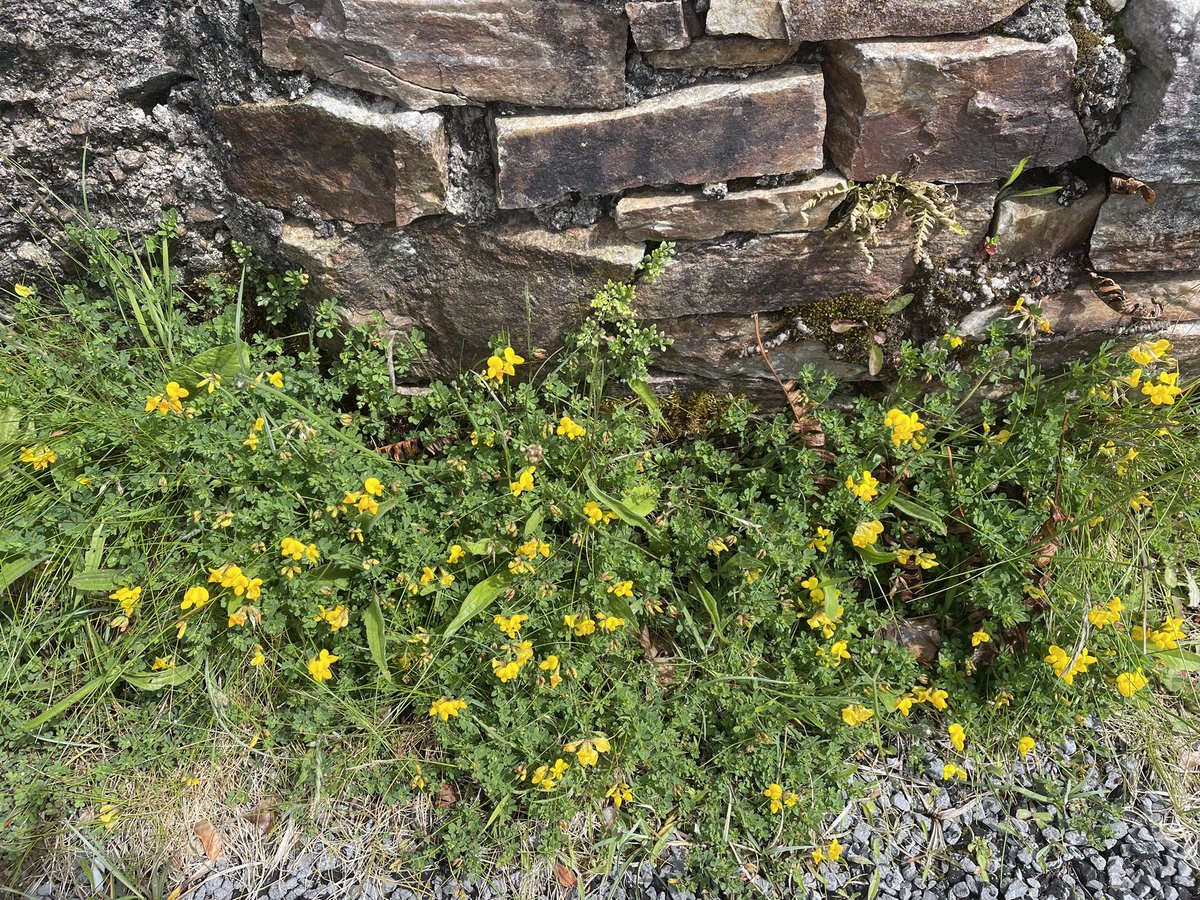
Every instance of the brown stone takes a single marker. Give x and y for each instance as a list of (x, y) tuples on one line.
[(1041, 227), (343, 159), (463, 284), (827, 20), (668, 217), (723, 53), (967, 109), (427, 53), (757, 18), (1133, 235), (770, 124), (662, 24)]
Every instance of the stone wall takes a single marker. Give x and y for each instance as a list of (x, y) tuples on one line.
[(468, 166)]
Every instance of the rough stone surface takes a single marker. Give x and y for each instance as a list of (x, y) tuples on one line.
[(967, 108), (1133, 235), (345, 160), (427, 53), (757, 18), (460, 284), (723, 53), (1042, 227), (1159, 135), (764, 125), (668, 217), (662, 24), (824, 20)]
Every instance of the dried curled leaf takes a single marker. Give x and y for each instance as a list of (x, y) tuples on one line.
[(210, 839)]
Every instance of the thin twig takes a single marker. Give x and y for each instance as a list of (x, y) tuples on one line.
[(786, 393)]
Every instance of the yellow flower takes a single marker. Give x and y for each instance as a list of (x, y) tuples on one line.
[(823, 622), (839, 651), (456, 553), (523, 483), (1110, 615), (717, 546), (510, 625), (835, 851), (905, 704), (374, 487), (622, 589), (1146, 353), (546, 777), (1129, 683), (258, 659), (866, 533), (867, 489), (320, 667), (581, 627), (162, 662), (1025, 745), (127, 597), (937, 699), (905, 427), (1168, 635), (251, 442), (1164, 391), (238, 618), (953, 340), (958, 737), (609, 623), (774, 793), (821, 541), (428, 576), (445, 708), (980, 637), (588, 751), (275, 379), (38, 457), (569, 430), (619, 793), (500, 365), (950, 771), (1064, 667), (195, 597), (210, 380), (856, 715), (108, 816), (1139, 501), (223, 520), (596, 515), (24, 291), (1134, 378), (549, 664), (337, 618)]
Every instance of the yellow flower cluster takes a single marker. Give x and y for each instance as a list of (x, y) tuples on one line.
[(866, 533), (950, 772), (921, 558), (320, 667), (833, 852), (588, 751), (1166, 637), (609, 623), (581, 626), (838, 651), (938, 699), (905, 428), (866, 489), (296, 550), (1064, 666), (622, 589), (958, 736), (1025, 746), (550, 664), (1129, 683), (820, 541), (547, 777), (170, 401), (39, 457), (619, 793), (252, 439), (1164, 391), (532, 547), (233, 578), (523, 483), (569, 429), (856, 715), (980, 637), (510, 625), (337, 618), (445, 708), (778, 798), (1109, 615), (195, 597), (502, 364), (506, 671), (127, 597), (596, 515), (367, 500)]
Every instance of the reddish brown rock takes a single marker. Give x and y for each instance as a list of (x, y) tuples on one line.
[(668, 217), (662, 24), (771, 124), (427, 53), (828, 20), (1133, 235), (757, 18), (344, 160), (967, 110), (463, 284), (1041, 227), (723, 53)]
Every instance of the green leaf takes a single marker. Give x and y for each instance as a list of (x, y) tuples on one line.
[(896, 304), (95, 552), (647, 397), (914, 510), (10, 423), (156, 681), (627, 515), (1016, 173), (66, 703), (333, 573), (377, 637), (225, 361), (479, 599), (98, 580), (642, 499), (1035, 192), (482, 547), (709, 602), (875, 557), (534, 522), (1179, 659), (875, 360), (16, 568)]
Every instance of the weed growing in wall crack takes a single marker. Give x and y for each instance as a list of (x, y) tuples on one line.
[(520, 597)]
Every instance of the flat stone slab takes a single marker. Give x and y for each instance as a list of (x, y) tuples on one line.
[(706, 52), (766, 125), (1159, 137), (1133, 235), (345, 160), (427, 53), (662, 24), (463, 284), (966, 109), (1041, 227), (672, 216), (757, 18), (827, 20)]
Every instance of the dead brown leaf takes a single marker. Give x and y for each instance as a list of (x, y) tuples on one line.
[(209, 838), (565, 876), (446, 796), (921, 636), (262, 819)]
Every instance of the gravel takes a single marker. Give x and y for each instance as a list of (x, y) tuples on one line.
[(916, 838)]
